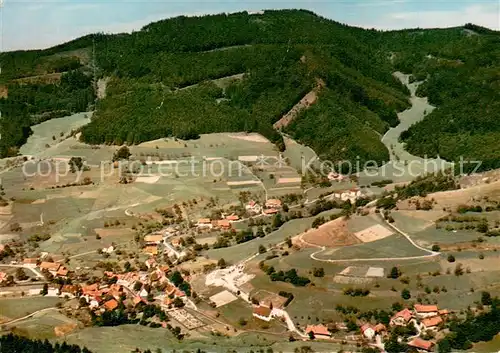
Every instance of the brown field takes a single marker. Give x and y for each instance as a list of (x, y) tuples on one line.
[(464, 196), (109, 232), (266, 298), (46, 79), (373, 233), (331, 234)]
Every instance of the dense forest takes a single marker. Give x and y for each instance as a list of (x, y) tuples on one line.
[(16, 344), (167, 80)]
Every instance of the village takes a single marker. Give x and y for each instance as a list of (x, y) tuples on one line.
[(160, 293)]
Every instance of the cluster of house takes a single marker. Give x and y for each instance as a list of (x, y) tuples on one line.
[(424, 318), (153, 242), (272, 206), (156, 277), (56, 269), (102, 297), (222, 224)]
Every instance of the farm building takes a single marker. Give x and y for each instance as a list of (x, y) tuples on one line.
[(368, 331), (253, 207), (30, 262), (153, 239), (350, 195), (273, 203), (204, 223), (319, 331), (332, 176), (421, 345), (401, 318), (232, 218), (423, 311), (432, 323)]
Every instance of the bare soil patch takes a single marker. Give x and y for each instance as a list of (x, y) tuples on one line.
[(45, 79), (223, 298), (373, 233), (331, 234), (266, 298), (308, 100), (250, 137), (451, 199), (107, 232)]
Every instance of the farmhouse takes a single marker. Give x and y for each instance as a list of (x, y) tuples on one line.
[(153, 239), (111, 305), (151, 250), (273, 203), (350, 195), (332, 176), (253, 207), (423, 311), (52, 267), (421, 345), (380, 329), (319, 331), (62, 272), (232, 218), (30, 262), (223, 224), (432, 323), (3, 277), (401, 318), (262, 312), (204, 223), (70, 291), (150, 263), (368, 331), (108, 249)]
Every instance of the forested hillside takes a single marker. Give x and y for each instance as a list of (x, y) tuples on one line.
[(464, 83), (282, 54), (162, 84)]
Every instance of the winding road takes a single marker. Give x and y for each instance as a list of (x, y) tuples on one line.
[(430, 253)]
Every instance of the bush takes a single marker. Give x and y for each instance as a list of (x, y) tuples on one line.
[(451, 258), (405, 294)]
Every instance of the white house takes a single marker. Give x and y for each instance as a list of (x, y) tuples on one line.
[(52, 292), (368, 331), (332, 176), (204, 223), (108, 249), (253, 207), (351, 195), (143, 293)]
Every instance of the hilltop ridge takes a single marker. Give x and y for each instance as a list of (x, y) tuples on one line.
[(281, 55)]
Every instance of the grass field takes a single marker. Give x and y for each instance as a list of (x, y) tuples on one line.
[(126, 338), (242, 251), (42, 133), (16, 308), (41, 326)]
